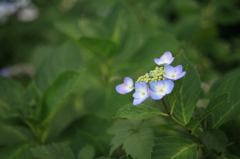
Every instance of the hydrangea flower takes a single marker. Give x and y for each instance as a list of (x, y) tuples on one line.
[(125, 87), (155, 84), (160, 89), (141, 94), (165, 59), (173, 73)]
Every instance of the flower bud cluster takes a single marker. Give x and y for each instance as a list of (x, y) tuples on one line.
[(153, 75)]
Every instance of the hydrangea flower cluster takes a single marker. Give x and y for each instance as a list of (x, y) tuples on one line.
[(155, 84)]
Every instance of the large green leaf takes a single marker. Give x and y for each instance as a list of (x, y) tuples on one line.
[(119, 139), (57, 94), (17, 151), (54, 100), (134, 136), (140, 144), (216, 102), (229, 110), (104, 47), (215, 139), (66, 57), (13, 134), (87, 152), (184, 97), (54, 151), (174, 148), (11, 96), (137, 112)]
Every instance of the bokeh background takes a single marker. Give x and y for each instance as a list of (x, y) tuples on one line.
[(107, 40)]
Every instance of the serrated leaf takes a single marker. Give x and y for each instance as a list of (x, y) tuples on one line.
[(216, 103), (215, 139), (187, 95), (174, 148), (137, 112), (121, 125), (100, 46), (54, 151), (87, 152), (58, 92), (139, 145), (118, 140), (229, 110)]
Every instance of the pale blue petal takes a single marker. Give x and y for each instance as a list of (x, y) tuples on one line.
[(180, 76), (178, 69), (141, 86), (168, 54), (158, 61), (169, 70), (168, 86), (137, 94), (155, 95), (153, 86), (167, 57), (128, 81), (137, 101), (168, 77), (123, 89), (156, 86)]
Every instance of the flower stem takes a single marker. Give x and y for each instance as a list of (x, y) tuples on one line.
[(177, 121), (165, 106), (169, 114)]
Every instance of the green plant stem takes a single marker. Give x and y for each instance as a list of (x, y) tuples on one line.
[(169, 114), (165, 106), (177, 121)]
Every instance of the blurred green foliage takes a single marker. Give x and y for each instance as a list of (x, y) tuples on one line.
[(80, 50)]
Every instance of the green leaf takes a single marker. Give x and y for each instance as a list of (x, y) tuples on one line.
[(32, 99), (229, 156), (174, 147), (215, 139), (12, 134), (54, 151), (139, 145), (87, 152), (229, 110), (82, 138), (11, 97), (66, 57), (184, 97), (57, 94), (137, 112), (17, 151), (216, 103), (41, 53), (100, 46), (119, 139), (134, 136)]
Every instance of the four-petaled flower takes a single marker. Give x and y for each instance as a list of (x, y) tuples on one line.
[(173, 73), (165, 59), (160, 89), (155, 84), (142, 93), (125, 87)]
